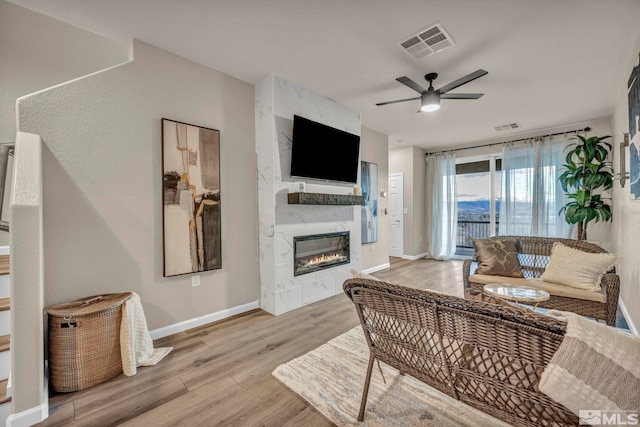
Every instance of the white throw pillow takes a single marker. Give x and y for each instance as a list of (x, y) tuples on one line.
[(576, 268)]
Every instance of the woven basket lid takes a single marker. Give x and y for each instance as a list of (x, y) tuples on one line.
[(87, 306)]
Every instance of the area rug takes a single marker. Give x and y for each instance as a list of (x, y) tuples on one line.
[(331, 378)]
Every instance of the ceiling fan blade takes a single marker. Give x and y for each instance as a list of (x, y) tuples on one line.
[(399, 100), (410, 83), (461, 95), (464, 80)]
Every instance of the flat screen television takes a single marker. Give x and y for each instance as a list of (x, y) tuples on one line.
[(321, 152)]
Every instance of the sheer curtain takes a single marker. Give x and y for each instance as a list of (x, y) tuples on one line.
[(442, 210), (531, 193)]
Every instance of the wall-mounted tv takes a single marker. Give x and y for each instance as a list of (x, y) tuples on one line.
[(321, 152)]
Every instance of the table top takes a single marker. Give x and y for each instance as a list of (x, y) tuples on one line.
[(516, 293)]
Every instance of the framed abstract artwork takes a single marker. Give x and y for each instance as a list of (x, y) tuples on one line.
[(191, 198), (633, 97), (369, 211), (6, 167), (634, 168)]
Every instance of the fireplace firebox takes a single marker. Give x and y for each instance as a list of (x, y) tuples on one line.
[(320, 251)]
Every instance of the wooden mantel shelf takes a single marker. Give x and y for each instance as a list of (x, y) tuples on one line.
[(324, 199)]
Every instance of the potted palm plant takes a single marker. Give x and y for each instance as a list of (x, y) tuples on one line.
[(587, 174)]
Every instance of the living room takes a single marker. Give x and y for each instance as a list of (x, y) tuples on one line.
[(98, 103)]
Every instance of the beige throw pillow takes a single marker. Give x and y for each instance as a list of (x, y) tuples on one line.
[(497, 257), (576, 268)]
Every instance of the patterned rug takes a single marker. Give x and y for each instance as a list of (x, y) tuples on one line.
[(331, 378)]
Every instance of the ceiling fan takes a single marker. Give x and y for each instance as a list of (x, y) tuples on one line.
[(430, 98)]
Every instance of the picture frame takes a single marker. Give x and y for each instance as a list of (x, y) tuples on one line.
[(6, 169), (633, 98), (369, 210), (634, 168), (191, 219)]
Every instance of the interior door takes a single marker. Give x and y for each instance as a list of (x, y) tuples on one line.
[(395, 215)]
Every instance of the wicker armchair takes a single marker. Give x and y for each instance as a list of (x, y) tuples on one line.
[(534, 252), (485, 355)]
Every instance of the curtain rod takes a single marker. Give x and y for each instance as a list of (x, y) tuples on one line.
[(586, 129)]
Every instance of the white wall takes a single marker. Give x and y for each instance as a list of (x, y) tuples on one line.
[(420, 243), (33, 60), (103, 183), (410, 161), (374, 149), (626, 212), (401, 161)]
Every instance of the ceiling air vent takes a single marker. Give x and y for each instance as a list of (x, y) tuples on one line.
[(508, 126), (428, 41)]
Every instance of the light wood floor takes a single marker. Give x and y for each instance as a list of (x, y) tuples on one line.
[(220, 374)]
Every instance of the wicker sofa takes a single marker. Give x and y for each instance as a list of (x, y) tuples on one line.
[(485, 355), (533, 253)]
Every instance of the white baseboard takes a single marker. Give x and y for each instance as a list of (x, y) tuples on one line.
[(34, 415), (414, 257), (376, 268), (627, 317), (5, 411), (29, 417), (202, 320)]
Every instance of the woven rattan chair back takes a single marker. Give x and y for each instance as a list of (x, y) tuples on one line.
[(487, 356)]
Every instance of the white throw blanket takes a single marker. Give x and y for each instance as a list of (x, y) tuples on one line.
[(595, 367), (136, 345)]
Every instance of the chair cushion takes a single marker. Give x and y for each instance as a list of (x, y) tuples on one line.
[(552, 288), (576, 268), (497, 257)]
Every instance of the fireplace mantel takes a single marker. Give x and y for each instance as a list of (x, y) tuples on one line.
[(324, 199)]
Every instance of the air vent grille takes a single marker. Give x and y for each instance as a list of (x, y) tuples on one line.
[(435, 39), (430, 33), (508, 126), (427, 42)]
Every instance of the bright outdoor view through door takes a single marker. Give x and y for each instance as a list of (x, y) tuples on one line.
[(478, 187)]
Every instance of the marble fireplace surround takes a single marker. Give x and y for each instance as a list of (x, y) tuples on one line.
[(277, 100)]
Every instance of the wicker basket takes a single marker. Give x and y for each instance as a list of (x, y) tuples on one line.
[(84, 341)]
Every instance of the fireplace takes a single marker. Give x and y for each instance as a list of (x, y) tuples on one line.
[(320, 251)]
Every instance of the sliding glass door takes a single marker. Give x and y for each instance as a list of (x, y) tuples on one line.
[(479, 194)]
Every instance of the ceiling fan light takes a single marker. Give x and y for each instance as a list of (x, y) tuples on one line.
[(430, 102), (429, 108)]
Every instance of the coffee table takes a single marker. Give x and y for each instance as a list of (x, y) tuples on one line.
[(520, 294)]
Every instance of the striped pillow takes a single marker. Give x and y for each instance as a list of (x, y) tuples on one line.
[(595, 367)]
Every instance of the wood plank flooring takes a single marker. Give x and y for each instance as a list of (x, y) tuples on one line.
[(220, 374)]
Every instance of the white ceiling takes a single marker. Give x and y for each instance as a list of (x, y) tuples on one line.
[(550, 62)]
